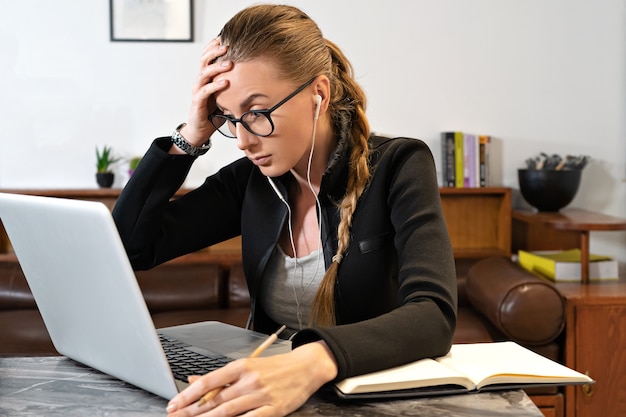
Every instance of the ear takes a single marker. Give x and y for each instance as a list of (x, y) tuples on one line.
[(321, 93)]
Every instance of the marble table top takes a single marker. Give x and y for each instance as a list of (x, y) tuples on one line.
[(57, 386)]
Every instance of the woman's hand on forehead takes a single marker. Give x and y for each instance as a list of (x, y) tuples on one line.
[(198, 129)]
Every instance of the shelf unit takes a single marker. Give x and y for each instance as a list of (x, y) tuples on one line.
[(568, 228), (478, 220)]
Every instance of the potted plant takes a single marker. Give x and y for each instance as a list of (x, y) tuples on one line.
[(104, 160), (132, 164)]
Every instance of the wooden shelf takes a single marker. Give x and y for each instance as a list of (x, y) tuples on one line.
[(478, 220), (572, 219), (225, 253), (565, 229)]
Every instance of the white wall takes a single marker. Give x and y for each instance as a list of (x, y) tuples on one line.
[(537, 75)]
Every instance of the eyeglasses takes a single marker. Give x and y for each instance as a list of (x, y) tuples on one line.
[(257, 122)]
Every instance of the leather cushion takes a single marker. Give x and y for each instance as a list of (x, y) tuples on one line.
[(524, 307), (189, 286), (472, 327), (238, 295)]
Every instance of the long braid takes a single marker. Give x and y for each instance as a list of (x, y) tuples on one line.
[(348, 106)]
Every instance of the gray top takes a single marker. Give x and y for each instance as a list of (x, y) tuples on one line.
[(290, 286)]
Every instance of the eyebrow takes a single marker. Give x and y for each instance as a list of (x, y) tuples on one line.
[(246, 102)]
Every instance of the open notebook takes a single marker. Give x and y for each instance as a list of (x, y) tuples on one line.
[(466, 368)]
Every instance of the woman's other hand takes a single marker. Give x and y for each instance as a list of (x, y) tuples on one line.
[(199, 129), (268, 386)]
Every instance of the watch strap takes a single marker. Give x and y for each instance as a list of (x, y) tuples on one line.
[(188, 148)]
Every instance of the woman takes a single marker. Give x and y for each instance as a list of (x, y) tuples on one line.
[(343, 236)]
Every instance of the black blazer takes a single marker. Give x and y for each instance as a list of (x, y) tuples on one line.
[(396, 287)]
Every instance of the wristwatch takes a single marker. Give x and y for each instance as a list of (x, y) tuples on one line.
[(188, 148)]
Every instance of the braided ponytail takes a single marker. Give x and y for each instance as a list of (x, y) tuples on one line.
[(348, 109)]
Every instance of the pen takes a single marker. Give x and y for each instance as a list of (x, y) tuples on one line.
[(266, 343)]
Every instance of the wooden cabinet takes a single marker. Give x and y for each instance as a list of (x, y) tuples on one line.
[(596, 344), (595, 333)]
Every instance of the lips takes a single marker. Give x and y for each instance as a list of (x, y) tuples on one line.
[(260, 160)]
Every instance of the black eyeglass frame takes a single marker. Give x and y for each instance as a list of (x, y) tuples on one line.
[(266, 113)]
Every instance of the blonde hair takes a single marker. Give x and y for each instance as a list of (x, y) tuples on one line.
[(295, 43)]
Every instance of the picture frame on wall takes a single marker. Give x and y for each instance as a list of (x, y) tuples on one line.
[(151, 20)]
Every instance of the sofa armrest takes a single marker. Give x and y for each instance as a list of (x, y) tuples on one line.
[(238, 295), (524, 307), (14, 290)]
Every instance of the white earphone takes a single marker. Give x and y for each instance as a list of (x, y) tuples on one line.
[(318, 103), (280, 196)]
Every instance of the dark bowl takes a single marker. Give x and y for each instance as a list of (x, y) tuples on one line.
[(548, 190)]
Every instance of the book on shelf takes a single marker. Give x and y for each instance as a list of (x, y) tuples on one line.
[(483, 160), (470, 160), (449, 165), (565, 265), (458, 160), (467, 368), (465, 159)]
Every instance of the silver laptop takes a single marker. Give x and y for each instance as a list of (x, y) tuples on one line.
[(84, 286)]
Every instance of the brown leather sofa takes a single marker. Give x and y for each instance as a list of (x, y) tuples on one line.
[(174, 295), (497, 301)]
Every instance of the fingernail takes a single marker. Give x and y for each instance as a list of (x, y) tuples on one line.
[(225, 63), (170, 407)]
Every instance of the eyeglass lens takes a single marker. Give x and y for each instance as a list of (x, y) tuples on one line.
[(257, 123)]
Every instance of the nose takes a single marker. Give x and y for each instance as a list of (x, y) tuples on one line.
[(245, 139)]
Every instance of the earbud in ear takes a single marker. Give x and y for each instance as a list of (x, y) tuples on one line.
[(318, 104)]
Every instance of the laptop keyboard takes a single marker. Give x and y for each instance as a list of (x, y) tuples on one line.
[(185, 362)]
